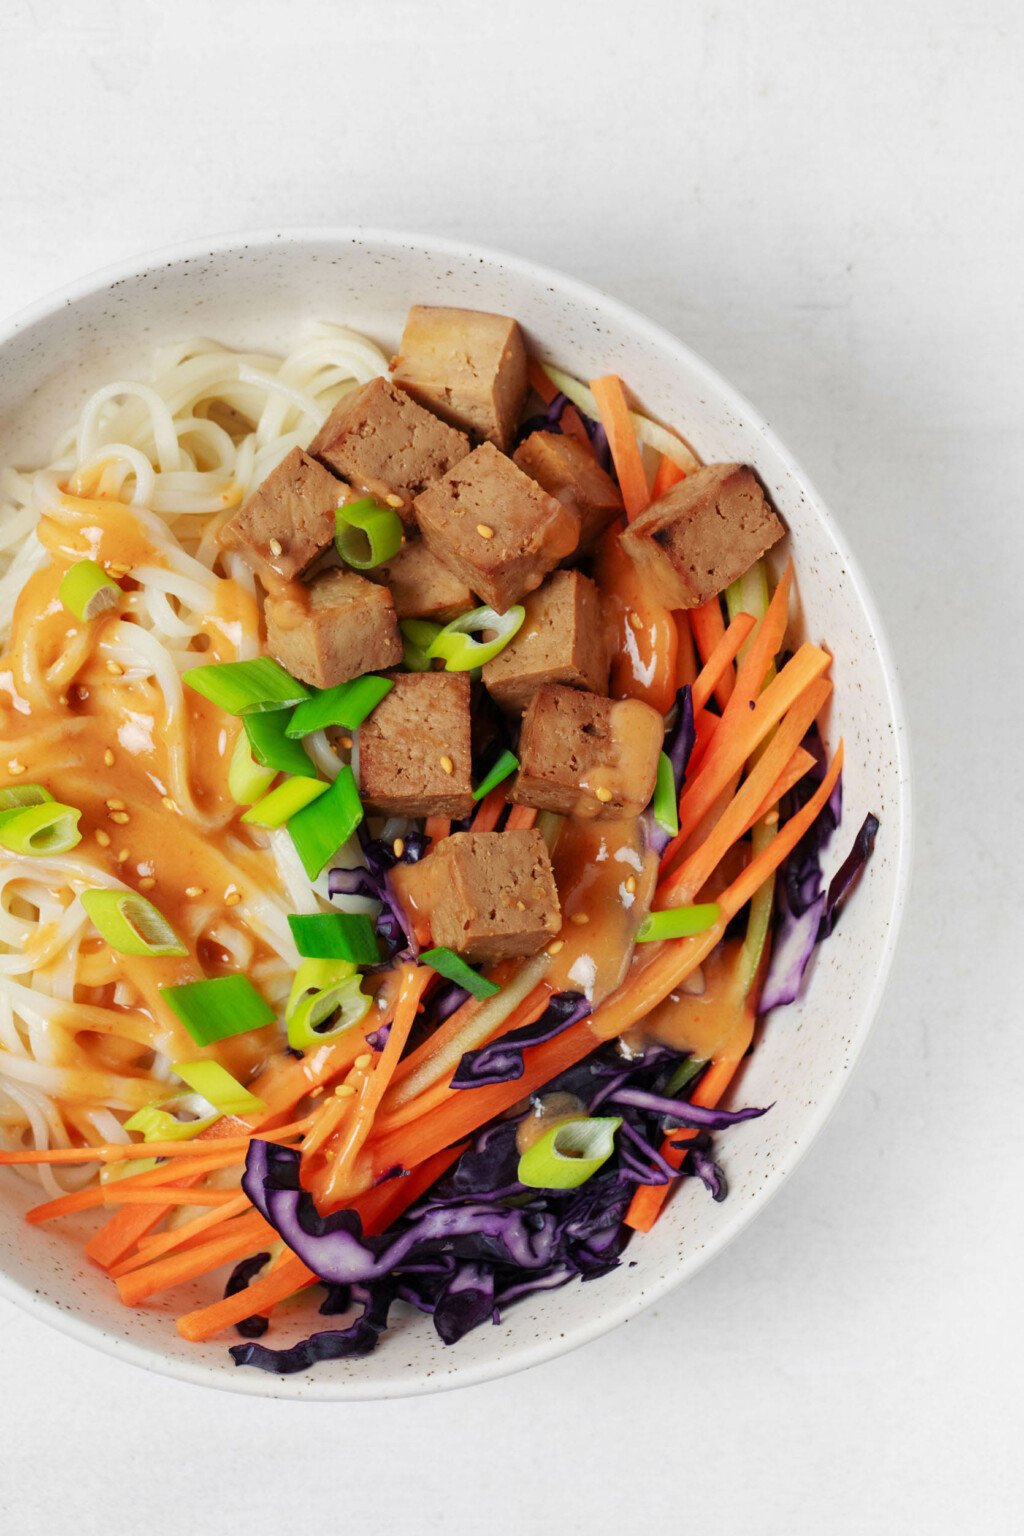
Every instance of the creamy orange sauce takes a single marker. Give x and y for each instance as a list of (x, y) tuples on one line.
[(716, 1024), (635, 737), (605, 877), (547, 1110)]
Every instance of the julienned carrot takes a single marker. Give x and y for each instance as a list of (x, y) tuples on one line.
[(798, 766), (610, 395), (381, 1206), (539, 381), (718, 662), (648, 1200), (150, 1248), (488, 812), (686, 656), (668, 474), (160, 1177), (117, 1152), (521, 818), (177, 1268), (742, 810), (646, 640), (708, 631), (112, 1195)]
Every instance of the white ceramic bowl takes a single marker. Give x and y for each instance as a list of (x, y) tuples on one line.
[(257, 291)]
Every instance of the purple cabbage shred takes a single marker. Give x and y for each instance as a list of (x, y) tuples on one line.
[(502, 1060)]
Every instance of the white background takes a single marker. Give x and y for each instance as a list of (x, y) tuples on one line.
[(825, 200)]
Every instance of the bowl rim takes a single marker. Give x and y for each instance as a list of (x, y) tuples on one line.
[(517, 1358)]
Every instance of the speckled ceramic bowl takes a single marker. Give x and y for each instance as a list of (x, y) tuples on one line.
[(258, 291)]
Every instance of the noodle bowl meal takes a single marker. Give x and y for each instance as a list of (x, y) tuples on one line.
[(411, 798)]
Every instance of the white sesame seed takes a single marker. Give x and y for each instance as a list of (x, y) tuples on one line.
[(108, 758), (276, 547), (346, 742), (363, 1061), (602, 794), (115, 805), (122, 857), (394, 501), (120, 817), (15, 766), (446, 763), (147, 883), (103, 838), (398, 847), (485, 531), (344, 1091), (636, 622), (115, 669), (169, 804), (631, 884), (192, 891), (580, 919), (556, 947), (232, 898)]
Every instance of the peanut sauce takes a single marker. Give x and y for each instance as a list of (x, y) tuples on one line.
[(606, 874), (712, 1024)]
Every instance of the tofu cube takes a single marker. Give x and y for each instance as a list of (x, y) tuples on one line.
[(566, 468), (581, 755), (414, 750), (492, 895), (563, 639), (494, 527), (422, 587), (289, 520), (334, 629), (385, 444), (468, 366), (702, 534)]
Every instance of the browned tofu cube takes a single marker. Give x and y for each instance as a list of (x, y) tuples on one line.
[(422, 587), (468, 366), (385, 444), (581, 755), (494, 526), (566, 468), (414, 750), (289, 519), (334, 629), (702, 534), (492, 895), (563, 639)]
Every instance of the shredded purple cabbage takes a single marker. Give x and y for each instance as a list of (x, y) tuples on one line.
[(374, 882), (502, 1060), (551, 421), (242, 1276)]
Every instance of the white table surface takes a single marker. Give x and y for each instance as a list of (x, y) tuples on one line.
[(825, 201)]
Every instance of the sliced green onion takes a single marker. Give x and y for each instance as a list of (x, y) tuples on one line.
[(335, 936), (87, 590), (271, 745), (131, 924), (366, 534), (683, 1075), (338, 1006), (569, 1153), (40, 829), (418, 635), (678, 922), (347, 705), (219, 1007), (285, 801), (155, 1124), (313, 976), (248, 780), (216, 1085), (127, 1168), (457, 647), (749, 594), (507, 763), (319, 831), (246, 687), (664, 805), (448, 964), (15, 797)]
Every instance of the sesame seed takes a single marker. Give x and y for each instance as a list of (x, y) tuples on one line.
[(232, 898), (520, 906), (276, 547), (15, 767), (344, 1091), (108, 758), (553, 949), (317, 1092), (122, 857), (346, 742), (394, 501), (447, 764), (580, 919), (604, 795), (485, 531), (103, 838), (169, 804), (363, 1061), (631, 884), (120, 817), (115, 669), (115, 805), (192, 891), (117, 570), (398, 847), (147, 883), (62, 698), (636, 622)]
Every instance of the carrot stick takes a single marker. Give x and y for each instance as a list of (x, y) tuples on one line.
[(709, 631), (119, 1152), (259, 1297), (177, 1268), (686, 656), (799, 764), (648, 1200), (668, 474), (381, 1206), (488, 812), (89, 1199), (150, 1248), (214, 1197), (571, 424), (539, 381), (437, 828), (521, 818), (629, 466), (717, 665)]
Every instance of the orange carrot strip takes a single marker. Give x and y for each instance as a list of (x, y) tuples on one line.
[(571, 424), (717, 665), (521, 818), (118, 1152), (709, 631), (150, 1248), (381, 1206), (437, 828), (178, 1268), (799, 764), (214, 1197), (488, 812), (89, 1199), (539, 381), (668, 474), (686, 656), (258, 1297), (648, 1200), (629, 466)]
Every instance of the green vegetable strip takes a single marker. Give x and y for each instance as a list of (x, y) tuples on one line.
[(248, 780), (270, 744), (38, 830), (448, 964), (341, 1001), (569, 1154), (246, 687), (678, 922), (319, 831), (284, 802), (456, 646), (366, 534), (217, 1086), (347, 706), (665, 805), (87, 591), (418, 635), (130, 924), (218, 1007), (507, 764), (335, 936), (15, 797)]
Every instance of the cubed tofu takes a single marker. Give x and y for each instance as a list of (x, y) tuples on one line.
[(566, 468), (563, 639), (383, 443), (702, 534), (422, 586), (494, 527), (581, 755), (334, 629), (468, 366), (491, 895), (414, 750), (289, 520)]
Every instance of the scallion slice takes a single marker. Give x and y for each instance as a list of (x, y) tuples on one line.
[(313, 976), (156, 1124), (40, 829), (569, 1153), (448, 964), (678, 922), (664, 805), (285, 801), (15, 797), (218, 1087), (319, 831), (246, 687), (418, 635), (335, 936), (507, 763), (366, 534), (461, 652), (685, 1073), (131, 924), (347, 705), (218, 1007), (271, 745), (87, 591), (248, 780), (323, 1015)]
